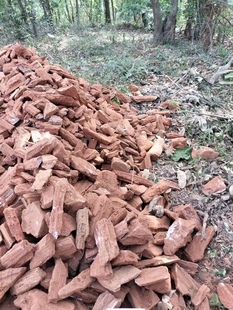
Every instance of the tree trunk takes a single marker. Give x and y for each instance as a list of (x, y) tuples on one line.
[(144, 20), (77, 12), (113, 11), (23, 12), (158, 22), (169, 23), (48, 13), (72, 12), (107, 12), (32, 16), (68, 12)]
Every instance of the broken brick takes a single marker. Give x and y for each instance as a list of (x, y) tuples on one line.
[(33, 220), (82, 220), (178, 235), (225, 294), (58, 280), (44, 250), (78, 283), (105, 239), (121, 275), (214, 186), (29, 280), (196, 248), (8, 277)]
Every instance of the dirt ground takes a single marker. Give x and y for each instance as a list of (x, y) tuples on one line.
[(217, 209)]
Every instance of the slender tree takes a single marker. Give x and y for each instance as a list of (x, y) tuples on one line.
[(107, 12)]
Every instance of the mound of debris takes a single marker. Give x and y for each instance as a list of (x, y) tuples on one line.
[(81, 228)]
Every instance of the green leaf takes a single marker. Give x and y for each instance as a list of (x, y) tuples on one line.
[(220, 272), (214, 301), (184, 153)]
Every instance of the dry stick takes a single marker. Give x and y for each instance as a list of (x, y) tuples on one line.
[(220, 71), (207, 114)]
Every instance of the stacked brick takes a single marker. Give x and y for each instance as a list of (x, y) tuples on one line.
[(80, 227)]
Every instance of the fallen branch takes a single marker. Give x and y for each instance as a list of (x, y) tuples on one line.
[(221, 71)]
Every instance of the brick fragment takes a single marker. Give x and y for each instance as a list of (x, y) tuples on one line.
[(214, 186), (158, 261), (204, 152), (178, 235), (18, 255), (78, 283), (143, 298), (36, 299), (188, 212), (55, 225), (121, 229), (159, 237), (8, 277), (131, 178), (121, 275), (138, 234), (42, 177), (196, 248), (205, 305), (29, 280), (177, 301), (100, 271), (45, 282), (140, 98), (98, 136), (106, 301), (225, 294), (82, 232), (84, 167), (151, 250), (157, 189), (200, 295), (58, 280), (125, 257), (190, 267), (73, 199), (6, 235), (118, 164), (65, 247), (106, 241), (45, 249), (45, 146), (48, 161), (152, 275), (154, 223), (185, 284), (33, 221)]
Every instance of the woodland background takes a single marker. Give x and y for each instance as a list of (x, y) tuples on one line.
[(205, 21)]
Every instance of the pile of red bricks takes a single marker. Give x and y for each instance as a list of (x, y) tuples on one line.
[(81, 228)]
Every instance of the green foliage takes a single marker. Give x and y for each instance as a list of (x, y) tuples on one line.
[(214, 301), (131, 10), (184, 153)]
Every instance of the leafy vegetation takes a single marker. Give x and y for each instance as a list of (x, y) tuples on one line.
[(204, 21)]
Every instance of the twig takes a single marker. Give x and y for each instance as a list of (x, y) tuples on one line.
[(203, 231), (220, 71), (206, 114)]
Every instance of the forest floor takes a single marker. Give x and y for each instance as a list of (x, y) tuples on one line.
[(177, 73)]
